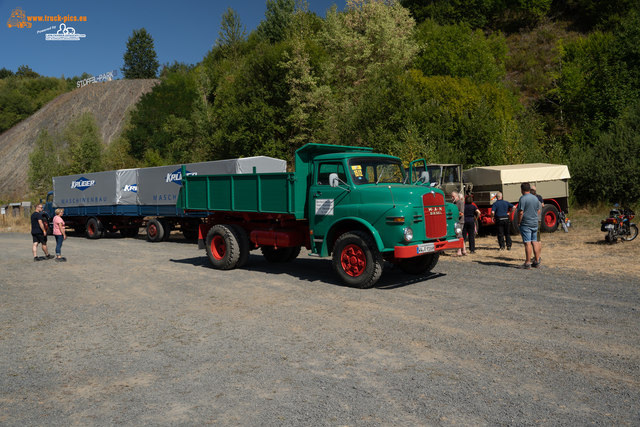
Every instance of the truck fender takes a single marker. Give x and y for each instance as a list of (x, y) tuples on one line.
[(330, 238)]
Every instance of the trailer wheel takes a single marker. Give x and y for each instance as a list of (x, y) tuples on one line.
[(549, 219), (155, 231), (356, 260), (94, 228), (277, 255), (420, 264), (166, 227), (223, 247)]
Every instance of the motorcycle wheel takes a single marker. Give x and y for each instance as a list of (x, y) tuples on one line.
[(610, 237), (633, 233)]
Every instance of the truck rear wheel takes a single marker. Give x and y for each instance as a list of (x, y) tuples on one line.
[(155, 231), (94, 229), (356, 260), (549, 219), (245, 245), (420, 264), (223, 247)]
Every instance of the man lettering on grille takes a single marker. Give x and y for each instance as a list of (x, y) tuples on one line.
[(500, 214)]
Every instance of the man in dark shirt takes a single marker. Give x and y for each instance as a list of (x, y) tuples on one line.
[(38, 232), (500, 214)]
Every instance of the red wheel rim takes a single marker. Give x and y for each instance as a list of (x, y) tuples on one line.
[(92, 229), (153, 230), (353, 260), (218, 247), (550, 219)]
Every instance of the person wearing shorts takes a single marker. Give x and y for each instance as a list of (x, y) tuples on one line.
[(528, 210), (538, 241), (39, 234)]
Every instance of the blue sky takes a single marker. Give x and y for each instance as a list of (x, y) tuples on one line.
[(182, 31)]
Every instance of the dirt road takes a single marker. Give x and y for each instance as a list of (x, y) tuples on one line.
[(133, 333)]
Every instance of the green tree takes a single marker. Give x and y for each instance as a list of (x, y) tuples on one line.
[(140, 59), (370, 37), (4, 73), (25, 71), (232, 33), (45, 161), (84, 145), (457, 50), (278, 17)]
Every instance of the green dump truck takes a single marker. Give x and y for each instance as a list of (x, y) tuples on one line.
[(358, 207)]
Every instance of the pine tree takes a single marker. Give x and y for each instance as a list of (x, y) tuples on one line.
[(140, 59)]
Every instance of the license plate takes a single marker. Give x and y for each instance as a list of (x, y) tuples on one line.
[(426, 248)]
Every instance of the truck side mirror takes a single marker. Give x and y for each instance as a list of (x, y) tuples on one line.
[(424, 176), (334, 181)]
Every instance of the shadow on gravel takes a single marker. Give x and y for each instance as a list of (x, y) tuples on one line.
[(312, 270), (495, 263)]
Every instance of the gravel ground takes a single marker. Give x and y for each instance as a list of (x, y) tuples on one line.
[(133, 333)]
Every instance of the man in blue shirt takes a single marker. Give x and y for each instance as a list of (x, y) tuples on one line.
[(528, 211), (500, 214)]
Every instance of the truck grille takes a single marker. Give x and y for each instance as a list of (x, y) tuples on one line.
[(435, 223)]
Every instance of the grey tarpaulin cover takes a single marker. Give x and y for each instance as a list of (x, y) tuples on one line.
[(147, 186)]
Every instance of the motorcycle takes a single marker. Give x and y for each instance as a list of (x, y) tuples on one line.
[(619, 225), (563, 221)]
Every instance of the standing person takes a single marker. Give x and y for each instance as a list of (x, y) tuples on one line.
[(470, 213), (59, 233), (39, 234), (456, 198), (528, 210), (500, 214), (538, 241)]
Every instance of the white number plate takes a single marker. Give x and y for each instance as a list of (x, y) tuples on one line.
[(426, 248)]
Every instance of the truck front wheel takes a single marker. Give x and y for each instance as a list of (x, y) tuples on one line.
[(223, 247), (357, 260), (420, 264)]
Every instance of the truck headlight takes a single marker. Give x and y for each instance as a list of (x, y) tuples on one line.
[(408, 234), (458, 229)]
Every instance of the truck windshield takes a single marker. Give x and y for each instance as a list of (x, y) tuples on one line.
[(376, 170), (435, 173)]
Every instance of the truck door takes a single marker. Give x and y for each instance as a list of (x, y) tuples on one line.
[(326, 203), (451, 180)]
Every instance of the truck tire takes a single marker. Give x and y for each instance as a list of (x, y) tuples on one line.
[(514, 226), (190, 234), (549, 219), (357, 260), (223, 247), (94, 229), (295, 251), (155, 231), (277, 255), (245, 245), (166, 227), (420, 264)]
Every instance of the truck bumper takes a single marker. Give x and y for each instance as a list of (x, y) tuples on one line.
[(427, 248)]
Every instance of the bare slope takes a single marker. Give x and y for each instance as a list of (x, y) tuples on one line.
[(108, 101)]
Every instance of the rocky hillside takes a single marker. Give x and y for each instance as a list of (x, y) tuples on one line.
[(108, 101)]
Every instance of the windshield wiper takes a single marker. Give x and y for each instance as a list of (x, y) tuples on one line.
[(380, 177)]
